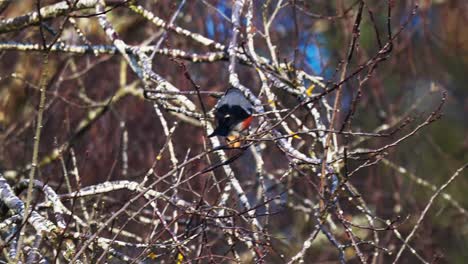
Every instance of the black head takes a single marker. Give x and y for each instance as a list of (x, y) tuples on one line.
[(232, 109)]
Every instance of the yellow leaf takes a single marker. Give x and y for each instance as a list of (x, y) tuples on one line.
[(310, 89), (159, 157), (272, 103), (294, 135), (180, 258), (152, 256)]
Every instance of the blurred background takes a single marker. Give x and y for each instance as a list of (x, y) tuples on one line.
[(429, 56)]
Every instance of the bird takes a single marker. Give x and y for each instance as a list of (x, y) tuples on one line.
[(233, 114)]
